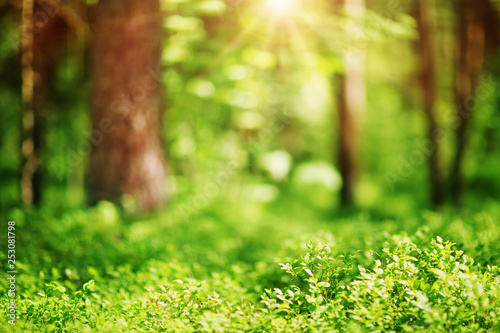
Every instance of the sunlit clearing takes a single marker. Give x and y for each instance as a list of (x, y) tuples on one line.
[(281, 7)]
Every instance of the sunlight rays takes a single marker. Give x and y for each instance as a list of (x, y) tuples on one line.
[(281, 7), (289, 23)]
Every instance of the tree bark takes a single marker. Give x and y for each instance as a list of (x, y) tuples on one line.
[(351, 104), (126, 153), (45, 30), (470, 58), (427, 81), (30, 155), (41, 40)]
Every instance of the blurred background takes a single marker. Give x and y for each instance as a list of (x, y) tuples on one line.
[(288, 106)]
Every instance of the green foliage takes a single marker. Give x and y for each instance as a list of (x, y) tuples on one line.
[(409, 288), (166, 274)]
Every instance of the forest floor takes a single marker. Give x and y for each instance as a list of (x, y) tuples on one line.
[(237, 269)]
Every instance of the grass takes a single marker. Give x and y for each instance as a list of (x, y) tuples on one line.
[(95, 271)]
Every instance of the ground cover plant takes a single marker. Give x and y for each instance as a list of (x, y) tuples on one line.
[(348, 275)]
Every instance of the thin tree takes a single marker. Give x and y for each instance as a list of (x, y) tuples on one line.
[(470, 60), (427, 81), (46, 28), (351, 105), (30, 155)]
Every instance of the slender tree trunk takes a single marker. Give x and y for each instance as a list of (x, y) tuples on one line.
[(470, 58), (126, 157), (31, 121), (351, 104), (44, 33), (347, 145), (427, 80)]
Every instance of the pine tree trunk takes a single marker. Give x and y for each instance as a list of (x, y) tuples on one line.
[(29, 159), (470, 53), (427, 78), (44, 33), (126, 157), (351, 105), (347, 145), (33, 77)]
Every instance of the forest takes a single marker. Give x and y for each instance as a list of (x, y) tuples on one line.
[(250, 166)]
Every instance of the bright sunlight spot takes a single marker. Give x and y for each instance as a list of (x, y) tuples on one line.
[(281, 7)]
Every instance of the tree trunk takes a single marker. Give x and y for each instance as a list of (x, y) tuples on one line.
[(30, 156), (427, 80), (39, 41), (45, 30), (126, 153), (471, 48), (351, 104)]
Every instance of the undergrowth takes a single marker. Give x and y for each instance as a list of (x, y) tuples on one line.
[(91, 271)]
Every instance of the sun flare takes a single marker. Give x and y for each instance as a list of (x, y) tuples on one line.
[(281, 7)]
